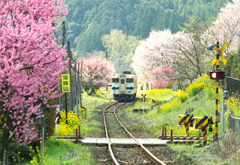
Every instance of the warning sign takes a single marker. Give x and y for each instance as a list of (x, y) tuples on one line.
[(65, 83)]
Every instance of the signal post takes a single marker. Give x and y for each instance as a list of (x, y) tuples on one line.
[(217, 74)]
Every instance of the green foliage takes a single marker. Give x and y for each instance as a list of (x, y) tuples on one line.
[(232, 69), (18, 154), (119, 43), (88, 21)]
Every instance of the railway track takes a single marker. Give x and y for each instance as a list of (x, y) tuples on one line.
[(150, 155)]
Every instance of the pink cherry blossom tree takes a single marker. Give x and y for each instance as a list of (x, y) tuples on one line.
[(161, 77), (30, 64), (96, 73)]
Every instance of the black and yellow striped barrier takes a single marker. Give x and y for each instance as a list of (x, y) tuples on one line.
[(183, 138), (185, 141), (202, 123), (185, 120)]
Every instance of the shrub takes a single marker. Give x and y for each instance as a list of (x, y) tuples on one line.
[(195, 88), (183, 96), (73, 123)]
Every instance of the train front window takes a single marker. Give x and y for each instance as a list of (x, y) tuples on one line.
[(129, 80), (115, 80), (122, 81)]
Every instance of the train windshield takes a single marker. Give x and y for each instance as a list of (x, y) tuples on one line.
[(129, 80), (115, 80), (122, 81)]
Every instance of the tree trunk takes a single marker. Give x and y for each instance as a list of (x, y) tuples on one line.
[(93, 92)]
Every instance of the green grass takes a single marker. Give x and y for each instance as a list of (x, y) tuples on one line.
[(202, 104), (60, 152)]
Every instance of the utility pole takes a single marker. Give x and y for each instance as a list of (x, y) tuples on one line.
[(77, 86), (69, 71), (106, 86), (81, 86), (74, 83), (63, 39)]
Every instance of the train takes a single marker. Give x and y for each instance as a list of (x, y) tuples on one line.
[(124, 86)]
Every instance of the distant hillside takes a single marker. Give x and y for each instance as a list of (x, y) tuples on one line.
[(88, 20)]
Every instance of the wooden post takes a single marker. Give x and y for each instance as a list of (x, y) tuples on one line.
[(213, 134), (171, 135), (76, 137), (162, 131), (66, 106), (199, 133), (79, 130), (165, 132)]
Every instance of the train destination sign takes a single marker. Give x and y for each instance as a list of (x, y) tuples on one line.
[(65, 83)]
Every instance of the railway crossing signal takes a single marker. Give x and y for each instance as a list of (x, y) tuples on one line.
[(217, 75), (219, 52), (143, 97)]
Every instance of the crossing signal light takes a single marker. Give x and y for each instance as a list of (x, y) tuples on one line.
[(215, 75)]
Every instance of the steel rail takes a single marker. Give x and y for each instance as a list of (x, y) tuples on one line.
[(153, 158), (106, 131)]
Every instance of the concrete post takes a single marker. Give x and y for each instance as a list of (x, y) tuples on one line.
[(4, 157), (41, 131), (224, 108)]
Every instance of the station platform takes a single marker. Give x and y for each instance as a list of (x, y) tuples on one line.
[(124, 142)]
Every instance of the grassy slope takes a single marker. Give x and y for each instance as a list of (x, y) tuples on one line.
[(200, 105), (152, 122)]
